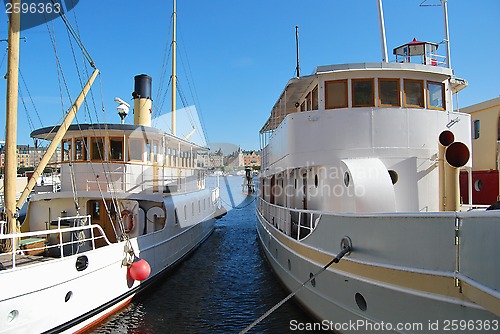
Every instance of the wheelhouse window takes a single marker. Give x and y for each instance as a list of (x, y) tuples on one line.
[(308, 102), (436, 95), (136, 149), (315, 104), (388, 92), (66, 150), (336, 94), (363, 93), (303, 106), (155, 151), (414, 93), (96, 148), (116, 149), (80, 149)]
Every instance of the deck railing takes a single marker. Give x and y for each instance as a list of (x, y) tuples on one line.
[(296, 223), (72, 235)]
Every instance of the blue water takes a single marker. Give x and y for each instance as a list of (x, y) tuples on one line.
[(222, 288)]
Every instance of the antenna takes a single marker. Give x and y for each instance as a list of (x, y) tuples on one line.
[(297, 47), (382, 32), (444, 4)]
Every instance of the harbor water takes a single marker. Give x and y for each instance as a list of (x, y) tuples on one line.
[(224, 286)]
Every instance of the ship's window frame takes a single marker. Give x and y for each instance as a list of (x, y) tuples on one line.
[(341, 99), (112, 149), (97, 148), (154, 150), (315, 98), (406, 83), (131, 147), (308, 101), (476, 129), (303, 106), (390, 92), (429, 99), (81, 154), (359, 96), (66, 150)]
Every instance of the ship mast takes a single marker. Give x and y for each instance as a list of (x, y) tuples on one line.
[(11, 122), (174, 69)]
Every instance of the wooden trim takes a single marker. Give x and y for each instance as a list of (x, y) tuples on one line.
[(442, 95), (422, 95), (91, 146), (345, 105), (372, 81), (380, 104), (109, 148)]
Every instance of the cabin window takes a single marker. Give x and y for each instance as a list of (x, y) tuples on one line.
[(136, 149), (308, 101), (388, 92), (363, 93), (96, 148), (303, 106), (436, 95), (116, 149), (148, 151), (336, 94), (185, 213), (315, 105), (414, 93), (476, 130), (80, 149), (154, 151), (66, 150)]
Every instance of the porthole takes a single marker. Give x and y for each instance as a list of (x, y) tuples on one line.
[(12, 316), (289, 265), (346, 179), (316, 181), (313, 281), (394, 176), (68, 296), (360, 301), (82, 262), (478, 185)]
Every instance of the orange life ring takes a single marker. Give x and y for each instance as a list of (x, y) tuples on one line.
[(127, 220)]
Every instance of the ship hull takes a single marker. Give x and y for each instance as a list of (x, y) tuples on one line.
[(362, 293), (54, 296)]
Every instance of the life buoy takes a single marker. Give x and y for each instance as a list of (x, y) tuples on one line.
[(128, 221)]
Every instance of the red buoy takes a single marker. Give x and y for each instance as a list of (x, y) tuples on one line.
[(139, 270)]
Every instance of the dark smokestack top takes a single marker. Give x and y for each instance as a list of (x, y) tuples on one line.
[(142, 87)]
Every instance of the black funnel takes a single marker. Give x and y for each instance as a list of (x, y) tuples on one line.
[(142, 87)]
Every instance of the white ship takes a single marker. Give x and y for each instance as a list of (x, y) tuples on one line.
[(364, 160), (133, 203)]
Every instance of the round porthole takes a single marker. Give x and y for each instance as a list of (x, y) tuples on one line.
[(346, 179), (394, 176), (313, 281), (360, 301), (478, 185)]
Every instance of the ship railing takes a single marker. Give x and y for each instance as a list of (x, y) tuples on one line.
[(296, 223), (72, 235)]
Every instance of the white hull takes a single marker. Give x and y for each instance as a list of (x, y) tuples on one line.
[(40, 295), (405, 298)]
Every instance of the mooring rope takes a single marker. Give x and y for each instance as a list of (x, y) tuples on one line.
[(238, 207), (275, 307)]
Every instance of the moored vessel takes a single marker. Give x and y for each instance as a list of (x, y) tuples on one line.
[(364, 159), (132, 204)]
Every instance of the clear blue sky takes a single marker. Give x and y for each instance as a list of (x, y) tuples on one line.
[(240, 54)]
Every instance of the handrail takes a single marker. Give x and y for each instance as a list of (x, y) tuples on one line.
[(60, 231)]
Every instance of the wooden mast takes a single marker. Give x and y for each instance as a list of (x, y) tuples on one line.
[(11, 122), (174, 70)]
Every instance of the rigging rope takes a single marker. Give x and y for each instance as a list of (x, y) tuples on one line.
[(275, 307)]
